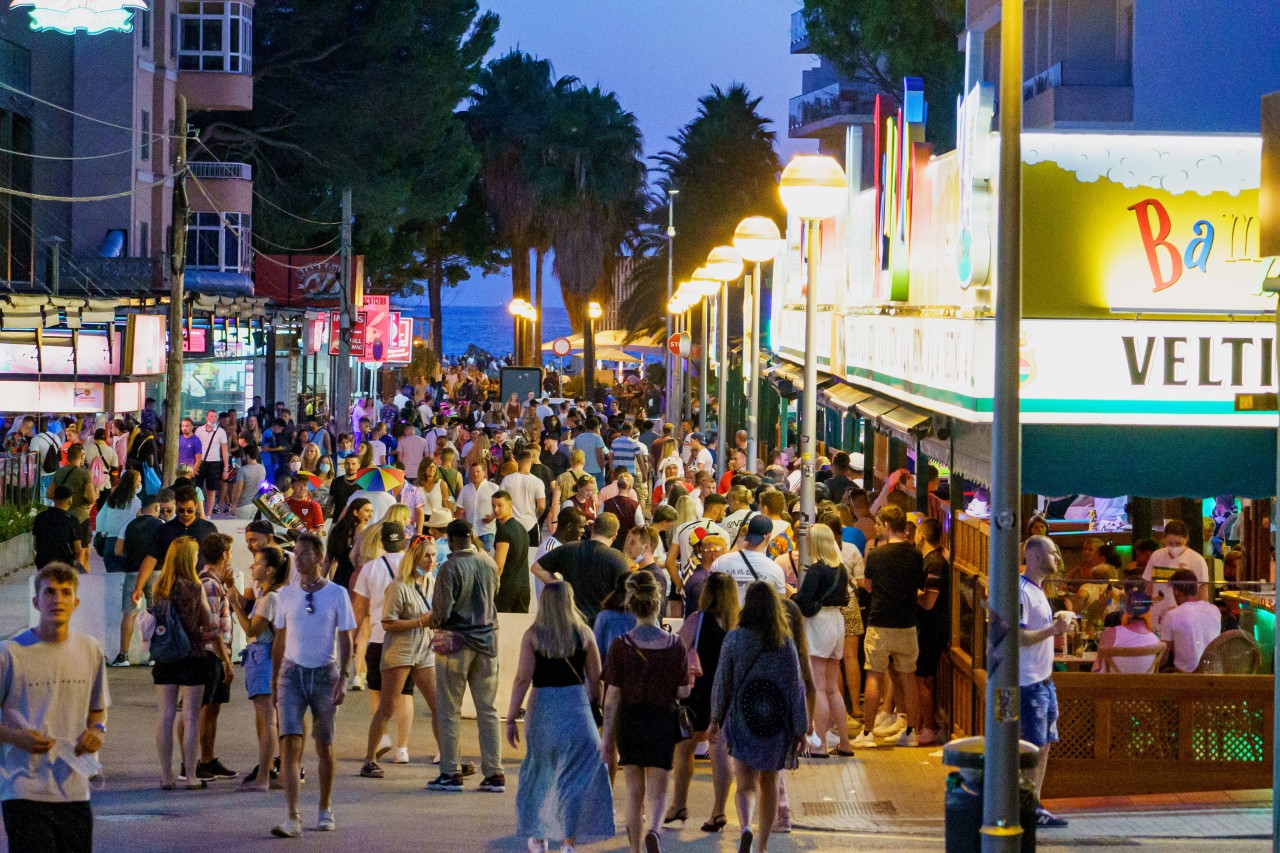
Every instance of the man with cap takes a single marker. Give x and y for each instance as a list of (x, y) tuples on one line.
[(750, 564), (366, 602), (303, 505), (700, 458)]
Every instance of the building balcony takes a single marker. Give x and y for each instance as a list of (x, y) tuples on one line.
[(799, 33), (1049, 102), (216, 90), (221, 187), (93, 276), (815, 114)]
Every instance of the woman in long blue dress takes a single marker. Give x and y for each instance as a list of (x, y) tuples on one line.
[(564, 789)]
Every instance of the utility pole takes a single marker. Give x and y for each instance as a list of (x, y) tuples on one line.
[(673, 395), (177, 295), (342, 376), (1001, 827)]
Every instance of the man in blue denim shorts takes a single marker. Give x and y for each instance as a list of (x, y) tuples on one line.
[(310, 616), (1039, 706)]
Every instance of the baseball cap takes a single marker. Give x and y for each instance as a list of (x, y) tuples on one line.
[(393, 536), (758, 529), (698, 437), (261, 526)]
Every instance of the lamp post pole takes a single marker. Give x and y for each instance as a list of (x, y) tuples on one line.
[(673, 405), (750, 364), (1001, 827), (704, 310), (809, 414), (722, 387)]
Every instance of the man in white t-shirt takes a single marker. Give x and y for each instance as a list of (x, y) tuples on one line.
[(366, 602), (1037, 627), (544, 410), (750, 564), (739, 513), (1191, 625), (682, 553), (475, 504), (700, 458), (379, 500), (528, 495), (213, 459), (1163, 563), (311, 651), (411, 450)]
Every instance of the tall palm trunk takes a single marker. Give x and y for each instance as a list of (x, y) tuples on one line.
[(435, 289), (519, 290), (588, 353), (537, 303)]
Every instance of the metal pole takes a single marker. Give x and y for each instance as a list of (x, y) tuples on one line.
[(702, 367), (673, 406), (1001, 828), (809, 395), (722, 388), (749, 356), (1274, 284), (177, 295), (342, 380), (686, 381)]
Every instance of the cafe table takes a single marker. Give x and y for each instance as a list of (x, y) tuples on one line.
[(1077, 663)]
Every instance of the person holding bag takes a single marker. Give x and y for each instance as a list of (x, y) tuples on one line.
[(758, 700), (824, 590), (562, 773)]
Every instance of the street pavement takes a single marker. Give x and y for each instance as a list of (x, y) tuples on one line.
[(888, 799)]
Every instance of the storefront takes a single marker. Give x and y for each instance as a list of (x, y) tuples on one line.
[(1144, 318)]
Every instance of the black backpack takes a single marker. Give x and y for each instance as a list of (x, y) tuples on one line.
[(52, 456)]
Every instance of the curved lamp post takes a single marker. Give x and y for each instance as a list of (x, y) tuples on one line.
[(757, 240), (704, 286), (594, 312), (813, 188), (725, 265)]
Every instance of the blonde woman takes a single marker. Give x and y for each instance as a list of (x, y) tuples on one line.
[(479, 452), (824, 591), (406, 649), (179, 588), (562, 773), (367, 548), (270, 572)]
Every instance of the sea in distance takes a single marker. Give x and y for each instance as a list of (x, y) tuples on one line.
[(490, 327)]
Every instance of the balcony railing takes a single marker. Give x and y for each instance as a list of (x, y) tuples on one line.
[(828, 102), (222, 171), (799, 31), (1047, 79)]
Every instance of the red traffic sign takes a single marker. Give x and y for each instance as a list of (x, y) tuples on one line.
[(680, 344), (561, 347)]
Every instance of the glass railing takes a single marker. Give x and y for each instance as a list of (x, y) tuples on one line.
[(799, 30), (827, 102)]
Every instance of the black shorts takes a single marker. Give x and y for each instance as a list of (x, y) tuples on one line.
[(209, 477), (86, 532), (51, 827), (932, 646), (216, 689), (373, 661)]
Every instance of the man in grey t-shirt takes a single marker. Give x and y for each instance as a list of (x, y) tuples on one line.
[(248, 480)]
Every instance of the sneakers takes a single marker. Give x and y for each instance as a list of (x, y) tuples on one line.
[(928, 737), (883, 719), (866, 740), (909, 738), (1046, 819), (384, 746), (215, 770), (291, 828), (204, 773), (371, 770), (120, 660), (538, 845), (894, 726), (325, 823), (782, 823), (358, 683), (401, 756), (494, 784), (446, 782)]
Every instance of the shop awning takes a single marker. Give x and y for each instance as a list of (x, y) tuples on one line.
[(842, 397), (1151, 461), (906, 423), (789, 379), (874, 407), (971, 451)]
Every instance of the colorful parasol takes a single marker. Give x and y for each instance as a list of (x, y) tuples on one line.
[(379, 479), (313, 480)]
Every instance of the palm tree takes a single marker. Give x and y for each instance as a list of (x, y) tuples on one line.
[(726, 167), (592, 179), (512, 104)]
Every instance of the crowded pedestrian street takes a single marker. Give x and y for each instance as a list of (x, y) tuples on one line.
[(514, 425)]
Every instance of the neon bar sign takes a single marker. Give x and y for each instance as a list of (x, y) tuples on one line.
[(90, 16)]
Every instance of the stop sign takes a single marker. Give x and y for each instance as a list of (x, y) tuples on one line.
[(680, 344)]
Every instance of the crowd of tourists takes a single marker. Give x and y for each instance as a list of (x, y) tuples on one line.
[(611, 528)]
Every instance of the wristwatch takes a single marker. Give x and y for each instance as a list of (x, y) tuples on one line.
[(102, 727)]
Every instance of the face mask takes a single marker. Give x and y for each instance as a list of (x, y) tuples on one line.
[(325, 466), (295, 467), (421, 570), (1175, 551)]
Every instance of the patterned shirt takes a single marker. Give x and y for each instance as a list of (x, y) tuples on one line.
[(219, 606), (625, 451)]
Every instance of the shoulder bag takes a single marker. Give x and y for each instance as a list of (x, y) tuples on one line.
[(684, 717)]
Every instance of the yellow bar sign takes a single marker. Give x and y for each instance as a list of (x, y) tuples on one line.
[(1256, 402)]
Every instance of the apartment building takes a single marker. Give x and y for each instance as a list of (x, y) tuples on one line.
[(92, 116)]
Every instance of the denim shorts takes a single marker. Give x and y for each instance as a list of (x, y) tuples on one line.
[(300, 688), (1039, 713), (257, 669)]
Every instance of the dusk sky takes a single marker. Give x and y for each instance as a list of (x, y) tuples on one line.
[(660, 56)]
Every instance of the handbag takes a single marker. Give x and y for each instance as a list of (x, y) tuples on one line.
[(684, 717), (597, 710), (810, 607), (100, 543), (151, 480)]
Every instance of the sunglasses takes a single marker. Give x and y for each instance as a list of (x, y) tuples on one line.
[(420, 538), (311, 603)]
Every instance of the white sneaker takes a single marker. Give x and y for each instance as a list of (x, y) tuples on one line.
[(384, 746), (909, 738), (894, 727), (883, 719), (291, 828), (537, 845), (402, 756), (325, 823), (866, 740)]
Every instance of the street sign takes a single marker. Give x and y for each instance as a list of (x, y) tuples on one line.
[(561, 347), (680, 344)]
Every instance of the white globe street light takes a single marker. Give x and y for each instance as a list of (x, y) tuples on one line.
[(758, 240)]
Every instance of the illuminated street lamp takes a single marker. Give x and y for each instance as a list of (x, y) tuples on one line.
[(813, 188), (757, 239), (90, 16), (705, 286), (519, 309), (594, 312), (724, 264)]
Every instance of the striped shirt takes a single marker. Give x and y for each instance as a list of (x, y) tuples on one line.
[(625, 450)]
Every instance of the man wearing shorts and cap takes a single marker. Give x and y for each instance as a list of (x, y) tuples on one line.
[(751, 564), (310, 653)]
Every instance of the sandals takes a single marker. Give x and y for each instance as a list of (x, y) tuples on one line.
[(679, 817), (847, 753), (716, 823), (651, 843)]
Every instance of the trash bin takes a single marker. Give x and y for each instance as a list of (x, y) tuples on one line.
[(964, 795)]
